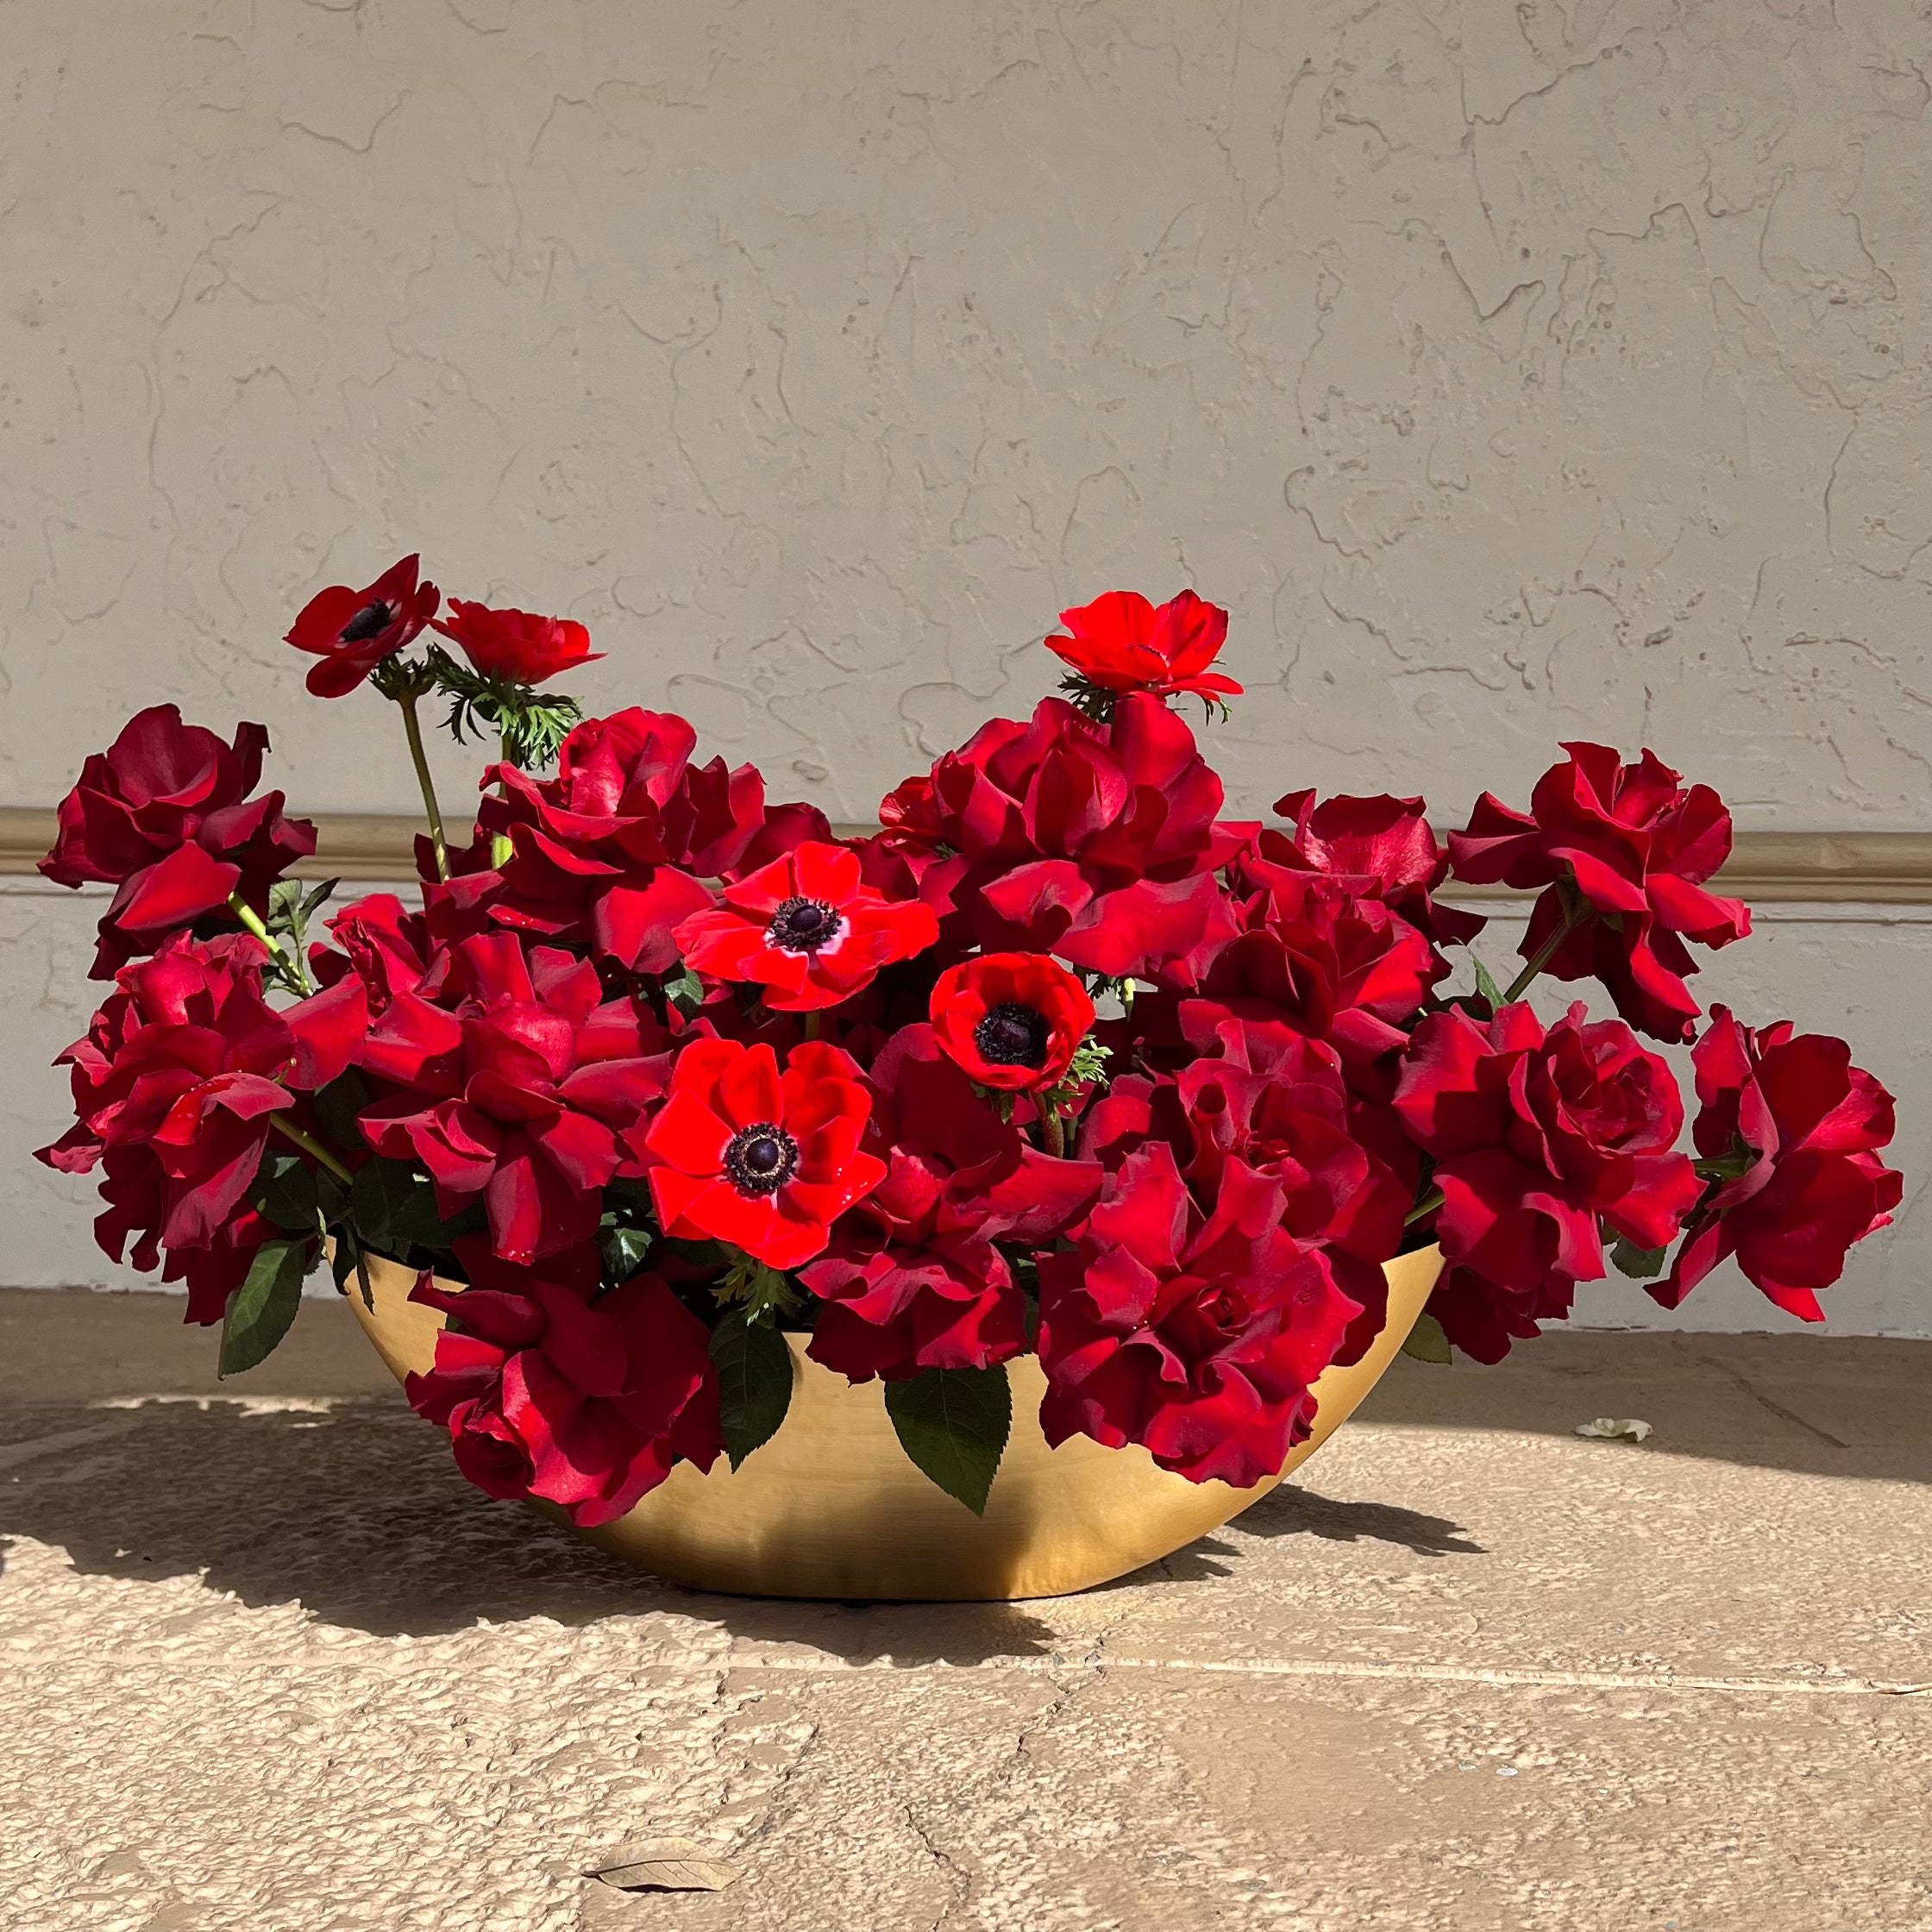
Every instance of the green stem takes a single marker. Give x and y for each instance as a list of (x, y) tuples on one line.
[(289, 966), (1575, 911), (1424, 1207), (812, 1025), (324, 1157), (413, 732), (1054, 1129)]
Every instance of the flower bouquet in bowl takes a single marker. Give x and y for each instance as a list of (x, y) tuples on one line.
[(981, 1204)]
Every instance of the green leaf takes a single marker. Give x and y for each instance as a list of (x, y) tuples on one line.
[(701, 1257), (1486, 988), (284, 1191), (686, 993), (336, 1107), (342, 1258), (755, 1375), (318, 897), (1426, 1341), (954, 1424), (394, 1209), (331, 1195), (342, 1265), (1641, 1264), (260, 1310), (624, 1249)]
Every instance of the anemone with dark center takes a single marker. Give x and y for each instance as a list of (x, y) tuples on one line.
[(760, 1159), (1012, 1035)]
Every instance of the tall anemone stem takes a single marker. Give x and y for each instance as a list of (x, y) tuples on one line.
[(413, 730)]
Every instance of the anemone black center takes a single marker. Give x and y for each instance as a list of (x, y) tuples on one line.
[(805, 926), (370, 621), (1012, 1035), (760, 1159)]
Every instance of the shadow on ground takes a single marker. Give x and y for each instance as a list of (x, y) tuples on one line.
[(316, 1486), (1810, 1404), (356, 1511)]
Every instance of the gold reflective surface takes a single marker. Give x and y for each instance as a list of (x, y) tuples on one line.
[(830, 1507)]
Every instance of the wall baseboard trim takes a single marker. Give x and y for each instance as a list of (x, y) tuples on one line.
[(1812, 868)]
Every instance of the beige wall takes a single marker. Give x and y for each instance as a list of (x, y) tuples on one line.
[(1513, 374)]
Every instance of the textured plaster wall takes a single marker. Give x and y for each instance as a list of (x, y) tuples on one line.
[(1512, 373)]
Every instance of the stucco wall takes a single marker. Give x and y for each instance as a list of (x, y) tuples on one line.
[(1512, 373)]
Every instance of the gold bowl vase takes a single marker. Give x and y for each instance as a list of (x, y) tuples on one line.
[(830, 1507)]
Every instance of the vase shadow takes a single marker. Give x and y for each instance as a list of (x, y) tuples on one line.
[(1292, 1510), (353, 1508)]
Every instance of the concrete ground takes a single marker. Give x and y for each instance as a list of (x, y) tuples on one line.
[(266, 1663)]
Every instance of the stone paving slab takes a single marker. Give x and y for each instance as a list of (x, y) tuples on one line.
[(266, 1663)]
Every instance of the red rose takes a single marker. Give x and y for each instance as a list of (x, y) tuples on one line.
[(389, 951), (897, 1310), (1277, 1102), (164, 813), (1095, 842), (1536, 1135), (805, 929), (954, 1167), (1121, 643), (605, 854), (1011, 1020), (1334, 966), (1273, 1101), (173, 1089), (911, 1280), (1196, 1337), (1377, 848), (548, 1393), (1637, 847), (516, 647), (1805, 1125), (1482, 1318), (766, 1162), (517, 1093), (353, 630)]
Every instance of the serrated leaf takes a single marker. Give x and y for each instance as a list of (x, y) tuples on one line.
[(347, 1260), (1426, 1340), (284, 1190), (755, 1376), (1486, 988), (284, 901), (664, 1864), (1640, 1265), (317, 898), (260, 1310), (954, 1424)]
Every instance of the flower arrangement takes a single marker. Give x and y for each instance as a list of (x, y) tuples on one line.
[(1059, 1059)]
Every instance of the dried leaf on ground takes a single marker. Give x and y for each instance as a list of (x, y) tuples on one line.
[(1614, 1428), (664, 1864)]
